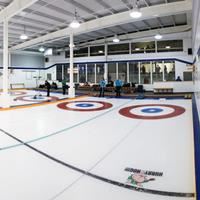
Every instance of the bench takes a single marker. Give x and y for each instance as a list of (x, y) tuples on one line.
[(163, 90), (17, 86)]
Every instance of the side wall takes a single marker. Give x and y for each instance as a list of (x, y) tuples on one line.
[(26, 68), (196, 49)]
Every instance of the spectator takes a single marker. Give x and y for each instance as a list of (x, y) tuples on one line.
[(48, 86), (102, 84), (54, 86), (178, 78), (64, 86), (118, 86)]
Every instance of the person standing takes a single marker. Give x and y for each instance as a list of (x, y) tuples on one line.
[(118, 86), (102, 84), (48, 86), (64, 86)]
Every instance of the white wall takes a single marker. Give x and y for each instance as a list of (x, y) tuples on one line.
[(27, 76), (26, 60), (180, 68), (29, 61), (196, 46), (23, 59)]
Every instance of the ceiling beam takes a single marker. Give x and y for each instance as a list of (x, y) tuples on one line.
[(82, 7), (173, 20), (106, 6), (114, 20), (159, 22), (127, 4), (15, 8), (147, 3)]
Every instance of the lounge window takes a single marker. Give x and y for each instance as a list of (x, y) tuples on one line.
[(97, 50), (169, 46), (115, 49), (143, 47)]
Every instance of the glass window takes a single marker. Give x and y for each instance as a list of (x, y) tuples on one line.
[(157, 71), (90, 73), (111, 71), (97, 50), (145, 73), (75, 73), (59, 72), (66, 72), (67, 54), (143, 47), (168, 46), (114, 49), (133, 72), (122, 71), (99, 71), (169, 71), (82, 52), (82, 73)]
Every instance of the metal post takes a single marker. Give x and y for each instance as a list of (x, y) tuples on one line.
[(106, 64), (95, 73), (139, 80), (5, 95), (71, 90), (117, 70)]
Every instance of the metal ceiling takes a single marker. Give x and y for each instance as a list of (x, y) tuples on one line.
[(46, 16)]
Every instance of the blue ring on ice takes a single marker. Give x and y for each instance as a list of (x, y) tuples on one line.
[(84, 105), (152, 110)]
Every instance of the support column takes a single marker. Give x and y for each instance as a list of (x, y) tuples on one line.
[(5, 95), (139, 79), (151, 71), (71, 90), (128, 80), (86, 73), (78, 81), (106, 64), (117, 71), (95, 73), (163, 70)]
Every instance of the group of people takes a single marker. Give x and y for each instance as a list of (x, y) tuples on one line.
[(118, 85), (54, 86)]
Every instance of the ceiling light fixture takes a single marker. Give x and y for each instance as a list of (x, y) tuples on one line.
[(23, 36), (41, 49), (158, 36), (75, 23), (135, 12), (167, 47), (116, 39)]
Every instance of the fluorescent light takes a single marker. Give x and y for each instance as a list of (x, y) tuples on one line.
[(116, 39), (167, 47), (23, 37), (158, 36), (137, 49), (74, 24), (41, 49), (100, 51), (135, 13)]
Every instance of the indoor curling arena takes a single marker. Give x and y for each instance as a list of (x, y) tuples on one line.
[(100, 100)]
